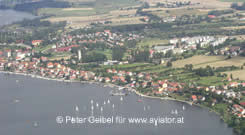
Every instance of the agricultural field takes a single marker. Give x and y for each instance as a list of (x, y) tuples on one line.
[(198, 60), (237, 74), (213, 61), (221, 4), (66, 12), (80, 17), (236, 61), (178, 12)]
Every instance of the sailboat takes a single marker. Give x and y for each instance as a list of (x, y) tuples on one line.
[(76, 108), (121, 98), (183, 107), (108, 101), (176, 111), (101, 109), (155, 123), (97, 105), (104, 103), (113, 106), (16, 101), (144, 108), (91, 101), (35, 124)]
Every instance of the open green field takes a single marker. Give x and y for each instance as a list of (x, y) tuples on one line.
[(107, 52), (63, 12), (129, 67), (178, 12), (151, 41)]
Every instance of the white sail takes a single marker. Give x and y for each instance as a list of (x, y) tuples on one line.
[(155, 123), (77, 109)]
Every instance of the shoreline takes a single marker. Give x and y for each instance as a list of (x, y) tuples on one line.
[(104, 84), (114, 86)]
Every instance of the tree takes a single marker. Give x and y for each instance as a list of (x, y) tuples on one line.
[(94, 57), (146, 5), (234, 5), (169, 64), (128, 78), (118, 53), (169, 54), (231, 76), (189, 67)]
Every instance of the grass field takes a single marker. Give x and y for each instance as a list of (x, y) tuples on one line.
[(80, 17), (65, 12), (107, 52), (213, 61), (197, 60), (178, 12), (203, 3), (151, 41), (237, 74)]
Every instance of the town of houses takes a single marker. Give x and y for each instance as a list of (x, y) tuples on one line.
[(132, 80), (19, 61)]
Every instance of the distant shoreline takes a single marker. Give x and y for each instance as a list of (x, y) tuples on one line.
[(105, 84)]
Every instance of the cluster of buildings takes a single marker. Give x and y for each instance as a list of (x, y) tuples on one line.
[(180, 45), (18, 54), (109, 38), (42, 67), (192, 42), (145, 80), (238, 110), (227, 93), (230, 50)]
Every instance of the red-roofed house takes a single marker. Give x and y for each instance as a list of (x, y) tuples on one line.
[(243, 84), (233, 84), (194, 98), (211, 16), (242, 103), (36, 42), (50, 65)]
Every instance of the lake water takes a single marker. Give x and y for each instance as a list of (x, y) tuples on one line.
[(10, 16), (30, 106)]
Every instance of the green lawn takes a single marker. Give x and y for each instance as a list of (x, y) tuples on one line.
[(61, 12), (151, 41), (107, 52), (211, 80), (43, 48)]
